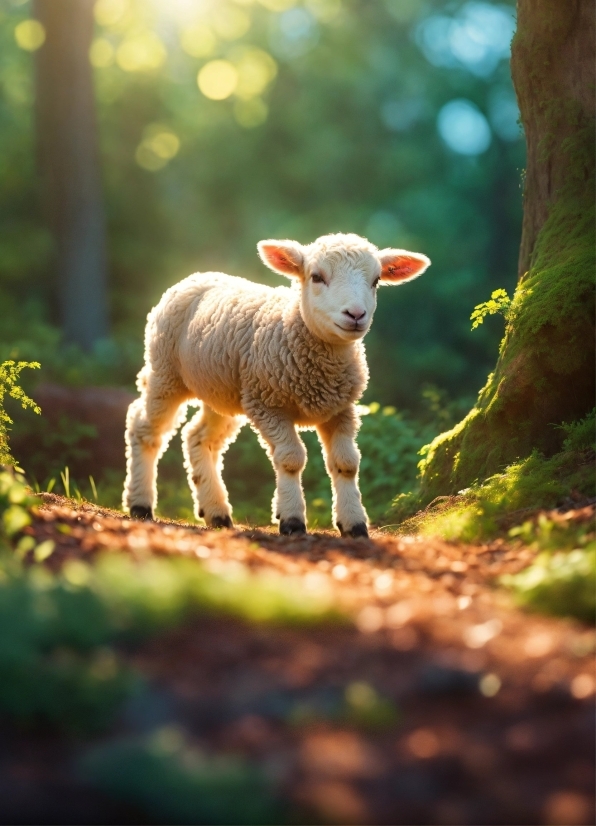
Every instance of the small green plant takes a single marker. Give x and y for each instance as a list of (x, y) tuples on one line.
[(499, 302), (9, 383), (65, 476)]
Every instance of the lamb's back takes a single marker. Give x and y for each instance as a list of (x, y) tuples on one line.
[(217, 316)]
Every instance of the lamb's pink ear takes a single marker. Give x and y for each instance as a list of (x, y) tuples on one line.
[(285, 257), (398, 266)]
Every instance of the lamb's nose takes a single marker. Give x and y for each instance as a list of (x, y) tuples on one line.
[(355, 313)]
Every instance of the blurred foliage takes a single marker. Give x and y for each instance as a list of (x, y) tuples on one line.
[(58, 664), (15, 501), (561, 582), (358, 705), (224, 123), (53, 445), (172, 782)]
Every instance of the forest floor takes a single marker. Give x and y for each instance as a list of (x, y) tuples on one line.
[(491, 715)]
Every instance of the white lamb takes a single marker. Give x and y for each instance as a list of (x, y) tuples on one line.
[(283, 358)]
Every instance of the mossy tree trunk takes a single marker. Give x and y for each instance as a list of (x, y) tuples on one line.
[(70, 179), (545, 372)]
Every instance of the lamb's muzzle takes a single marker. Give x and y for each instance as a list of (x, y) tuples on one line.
[(283, 358)]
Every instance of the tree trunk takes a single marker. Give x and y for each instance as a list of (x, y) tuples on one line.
[(69, 166), (545, 372)]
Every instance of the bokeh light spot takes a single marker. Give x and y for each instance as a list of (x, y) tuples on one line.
[(582, 686), (198, 40), (478, 37), (278, 5), (423, 743), (217, 79), (256, 69), (110, 12), (231, 24), (294, 33), (140, 53), (159, 145), (490, 685), (464, 128), (101, 53), (251, 113), (30, 35)]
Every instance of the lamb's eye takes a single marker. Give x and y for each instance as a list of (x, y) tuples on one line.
[(317, 278), (375, 283)]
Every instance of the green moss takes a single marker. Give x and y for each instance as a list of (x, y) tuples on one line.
[(486, 509)]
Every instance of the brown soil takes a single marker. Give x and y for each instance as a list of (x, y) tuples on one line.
[(496, 706)]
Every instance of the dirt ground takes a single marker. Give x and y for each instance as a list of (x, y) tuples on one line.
[(495, 706)]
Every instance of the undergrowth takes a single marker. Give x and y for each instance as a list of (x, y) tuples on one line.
[(512, 505), (388, 440), (490, 508), (9, 384)]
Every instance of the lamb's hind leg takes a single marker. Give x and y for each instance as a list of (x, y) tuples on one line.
[(204, 441), (151, 422)]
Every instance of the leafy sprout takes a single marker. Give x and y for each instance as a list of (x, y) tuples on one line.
[(9, 383), (499, 302)]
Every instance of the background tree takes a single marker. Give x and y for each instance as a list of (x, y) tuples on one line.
[(68, 155), (545, 372)]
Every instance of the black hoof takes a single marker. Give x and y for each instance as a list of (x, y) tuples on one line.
[(292, 526), (358, 531), (221, 522), (141, 512)]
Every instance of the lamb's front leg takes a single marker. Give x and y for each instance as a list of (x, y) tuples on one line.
[(342, 458), (288, 455)]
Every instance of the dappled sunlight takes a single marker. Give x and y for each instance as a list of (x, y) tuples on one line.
[(395, 623)]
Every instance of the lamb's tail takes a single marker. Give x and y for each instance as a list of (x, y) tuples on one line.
[(143, 378)]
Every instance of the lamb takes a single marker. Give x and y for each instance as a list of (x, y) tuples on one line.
[(285, 358)]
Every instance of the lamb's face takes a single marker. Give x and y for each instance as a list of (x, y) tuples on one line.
[(339, 291), (339, 276)]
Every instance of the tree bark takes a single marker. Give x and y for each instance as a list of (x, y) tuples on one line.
[(545, 372), (552, 65), (68, 153)]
